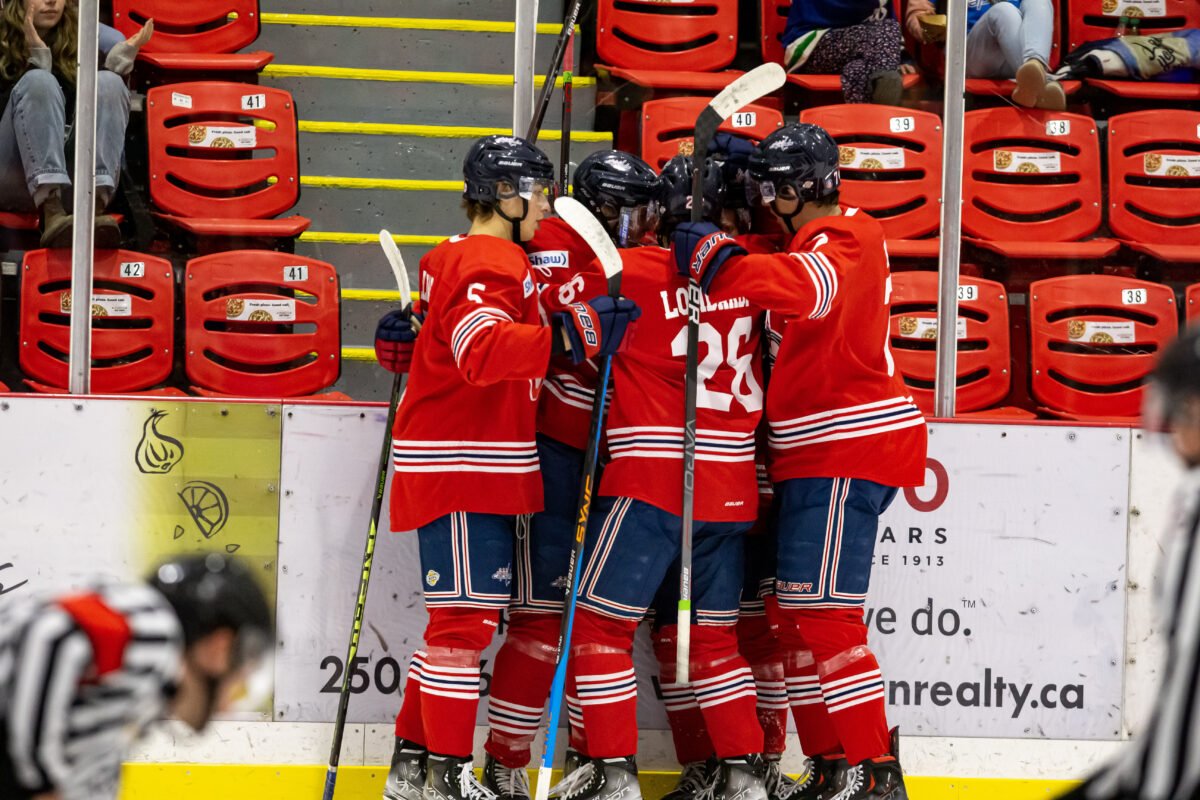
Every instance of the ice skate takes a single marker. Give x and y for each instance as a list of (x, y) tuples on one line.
[(601, 779), (821, 779), (694, 777), (741, 778), (874, 779), (406, 778), (779, 786), (453, 778), (505, 782)]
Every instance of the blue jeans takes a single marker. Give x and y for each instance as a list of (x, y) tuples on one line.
[(1007, 36), (35, 147)]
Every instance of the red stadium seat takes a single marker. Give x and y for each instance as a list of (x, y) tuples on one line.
[(773, 20), (891, 168), (223, 158), (1090, 20), (1031, 183), (1154, 182), (19, 221), (1192, 303), (1094, 340), (984, 364), (195, 36), (698, 36), (669, 122), (133, 321), (260, 323)]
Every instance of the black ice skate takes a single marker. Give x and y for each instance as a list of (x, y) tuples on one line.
[(572, 761), (694, 777), (406, 778), (874, 779), (821, 779), (601, 779), (741, 778), (779, 785), (452, 778), (505, 782)]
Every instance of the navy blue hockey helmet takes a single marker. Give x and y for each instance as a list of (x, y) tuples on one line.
[(800, 156), (617, 188), (673, 193), (509, 159), (732, 152)]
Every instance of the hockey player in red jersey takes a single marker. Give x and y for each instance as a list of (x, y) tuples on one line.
[(464, 453), (843, 436), (616, 187), (635, 540)]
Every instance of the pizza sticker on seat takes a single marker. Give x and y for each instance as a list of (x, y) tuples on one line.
[(1079, 330), (253, 310), (239, 137), (870, 158), (103, 305), (1133, 8), (1171, 166), (927, 327), (1027, 163)]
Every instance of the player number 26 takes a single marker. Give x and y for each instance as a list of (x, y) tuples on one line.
[(743, 387)]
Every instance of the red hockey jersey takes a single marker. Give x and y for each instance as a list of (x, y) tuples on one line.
[(464, 433), (645, 423), (558, 256), (836, 407)]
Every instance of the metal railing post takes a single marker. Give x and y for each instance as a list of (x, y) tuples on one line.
[(79, 362)]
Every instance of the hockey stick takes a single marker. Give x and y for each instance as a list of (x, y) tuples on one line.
[(564, 158), (556, 64), (589, 228), (754, 84), (360, 603)]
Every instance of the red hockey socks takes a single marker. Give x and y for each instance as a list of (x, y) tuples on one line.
[(855, 698), (757, 642), (605, 687), (813, 725), (578, 738), (724, 688), (683, 712), (521, 681), (408, 722)]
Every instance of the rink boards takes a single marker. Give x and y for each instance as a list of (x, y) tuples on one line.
[(1009, 597)]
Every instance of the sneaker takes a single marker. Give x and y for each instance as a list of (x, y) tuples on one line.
[(694, 777), (741, 778), (505, 782), (874, 779), (1030, 78), (886, 87), (779, 785), (406, 778), (453, 778), (821, 779), (1052, 97), (601, 779)]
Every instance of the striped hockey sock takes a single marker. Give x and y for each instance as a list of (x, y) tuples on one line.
[(524, 670), (688, 729), (854, 695), (817, 735), (724, 688), (448, 679)]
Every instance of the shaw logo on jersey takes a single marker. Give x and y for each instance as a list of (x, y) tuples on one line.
[(680, 308), (546, 261)]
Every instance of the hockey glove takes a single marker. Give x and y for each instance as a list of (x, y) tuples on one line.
[(700, 248), (595, 328), (395, 338)]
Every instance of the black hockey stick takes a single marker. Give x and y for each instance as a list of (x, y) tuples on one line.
[(556, 65), (754, 84), (564, 158), (589, 228), (360, 603)]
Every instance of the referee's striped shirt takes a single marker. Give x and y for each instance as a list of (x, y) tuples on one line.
[(1163, 763), (80, 677)]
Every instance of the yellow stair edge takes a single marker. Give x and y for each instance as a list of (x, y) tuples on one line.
[(332, 237), (395, 184), (376, 295), (405, 75), (404, 23), (252, 782), (437, 131)]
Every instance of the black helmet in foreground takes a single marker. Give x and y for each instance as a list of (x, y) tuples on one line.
[(509, 159), (673, 193), (210, 591), (801, 156), (617, 188)]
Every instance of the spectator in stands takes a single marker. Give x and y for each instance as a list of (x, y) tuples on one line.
[(39, 44), (1006, 39), (857, 39)]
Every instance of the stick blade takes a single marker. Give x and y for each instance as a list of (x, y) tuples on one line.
[(591, 231), (758, 82), (397, 264)]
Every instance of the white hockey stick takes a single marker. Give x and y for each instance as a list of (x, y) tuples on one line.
[(756, 83), (360, 603), (591, 231)]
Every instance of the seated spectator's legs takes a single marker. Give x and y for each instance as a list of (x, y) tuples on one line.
[(1012, 42), (995, 43), (1036, 30), (112, 118), (867, 56), (32, 142)]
